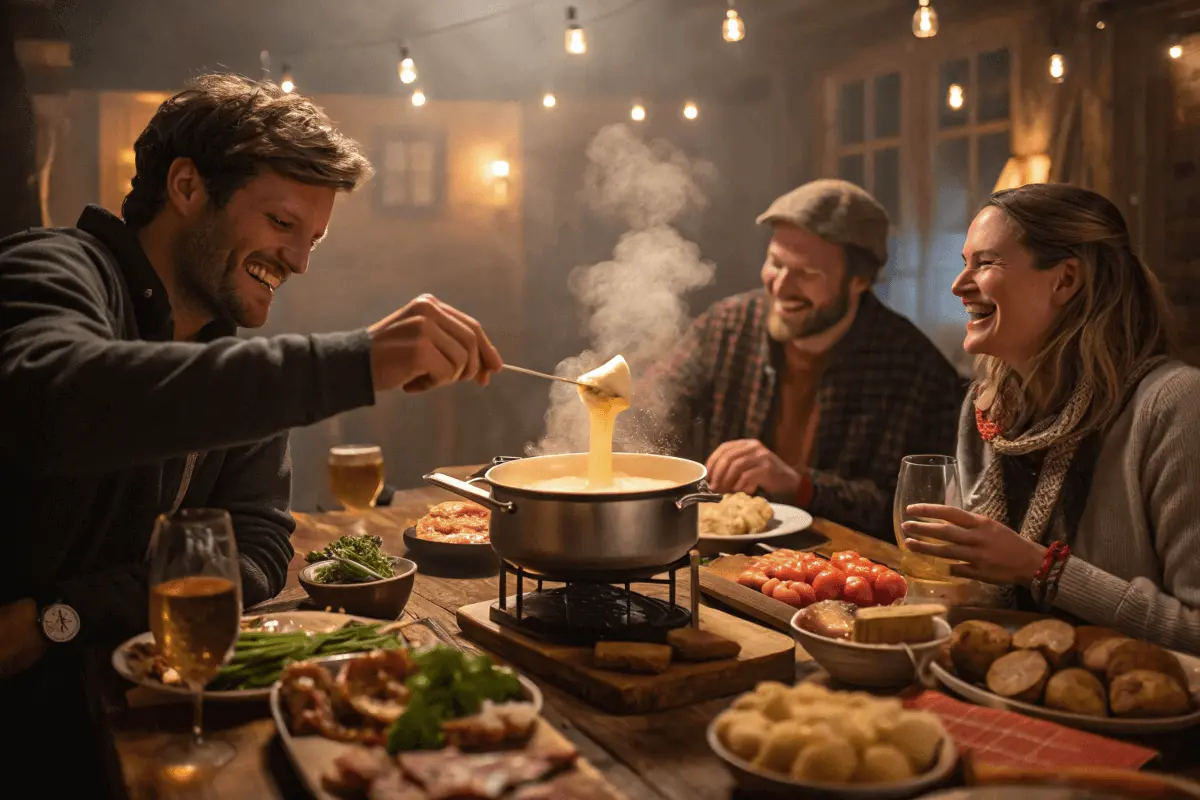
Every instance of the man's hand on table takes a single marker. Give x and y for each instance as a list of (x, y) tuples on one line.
[(748, 465), (21, 643), (428, 344)]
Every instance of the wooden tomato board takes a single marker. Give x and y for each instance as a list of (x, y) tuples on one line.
[(718, 580), (765, 656)]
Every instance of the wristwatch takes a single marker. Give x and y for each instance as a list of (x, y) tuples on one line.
[(58, 622)]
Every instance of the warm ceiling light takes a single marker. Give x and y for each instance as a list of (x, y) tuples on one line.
[(418, 98), (925, 21), (1058, 68), (549, 100), (408, 68), (690, 111), (954, 97), (733, 29), (288, 84), (500, 169), (637, 113), (576, 39)]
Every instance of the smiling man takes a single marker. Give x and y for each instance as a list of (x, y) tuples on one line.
[(127, 395), (810, 391)]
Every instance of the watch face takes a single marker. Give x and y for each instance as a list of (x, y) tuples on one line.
[(60, 623)]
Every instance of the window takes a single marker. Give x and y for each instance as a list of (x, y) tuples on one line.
[(929, 138), (411, 171), (866, 144)]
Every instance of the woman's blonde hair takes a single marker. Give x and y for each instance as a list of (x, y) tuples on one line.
[(1117, 319)]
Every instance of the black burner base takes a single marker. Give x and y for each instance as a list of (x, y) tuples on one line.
[(586, 613)]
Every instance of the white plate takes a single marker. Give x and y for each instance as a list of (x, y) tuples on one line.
[(788, 520), (313, 756), (283, 622), (1105, 725)]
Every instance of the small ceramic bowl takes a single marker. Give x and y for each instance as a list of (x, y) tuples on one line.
[(870, 665), (383, 599)]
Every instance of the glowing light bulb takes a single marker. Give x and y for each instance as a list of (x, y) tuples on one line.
[(637, 113), (954, 98), (1100, 25), (733, 29), (1058, 67), (925, 21), (500, 169), (576, 39), (418, 98), (287, 83), (1175, 51), (408, 68), (549, 100), (690, 111)]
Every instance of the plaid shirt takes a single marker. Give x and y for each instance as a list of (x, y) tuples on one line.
[(886, 392)]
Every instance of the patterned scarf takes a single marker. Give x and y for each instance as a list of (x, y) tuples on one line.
[(1060, 436)]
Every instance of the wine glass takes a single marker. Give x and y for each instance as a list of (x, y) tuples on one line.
[(195, 612), (356, 477), (925, 479)]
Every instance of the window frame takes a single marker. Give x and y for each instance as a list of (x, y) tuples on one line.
[(409, 135)]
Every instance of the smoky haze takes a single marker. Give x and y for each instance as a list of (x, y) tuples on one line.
[(634, 303)]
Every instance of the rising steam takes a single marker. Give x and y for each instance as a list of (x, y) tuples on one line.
[(633, 303)]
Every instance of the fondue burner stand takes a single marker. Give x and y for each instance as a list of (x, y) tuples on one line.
[(584, 612)]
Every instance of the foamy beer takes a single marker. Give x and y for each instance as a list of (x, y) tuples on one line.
[(356, 475)]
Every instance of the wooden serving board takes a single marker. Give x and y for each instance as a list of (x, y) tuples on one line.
[(718, 580), (765, 656), (313, 757)]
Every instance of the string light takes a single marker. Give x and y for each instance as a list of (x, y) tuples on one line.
[(1100, 25), (954, 98), (408, 68), (549, 100), (1176, 49), (733, 29), (576, 39), (925, 21), (287, 82), (418, 98), (638, 112), (690, 111), (1058, 68)]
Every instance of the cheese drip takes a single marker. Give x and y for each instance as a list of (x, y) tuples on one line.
[(606, 394)]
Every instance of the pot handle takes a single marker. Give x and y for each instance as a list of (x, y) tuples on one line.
[(704, 495), (497, 460), (466, 490)]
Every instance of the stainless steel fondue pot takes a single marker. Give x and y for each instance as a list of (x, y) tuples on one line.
[(576, 535)]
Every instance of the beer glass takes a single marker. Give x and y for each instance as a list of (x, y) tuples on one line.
[(356, 475), (925, 479), (195, 612)]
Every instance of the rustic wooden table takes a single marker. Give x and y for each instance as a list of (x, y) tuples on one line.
[(662, 755)]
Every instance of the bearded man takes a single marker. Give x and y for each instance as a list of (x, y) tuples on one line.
[(812, 391), (127, 394)]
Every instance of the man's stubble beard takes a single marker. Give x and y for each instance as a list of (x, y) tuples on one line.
[(817, 322), (206, 273)]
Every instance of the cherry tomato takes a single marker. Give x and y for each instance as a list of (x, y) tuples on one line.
[(890, 587), (858, 591), (769, 586), (815, 567), (844, 559), (785, 594), (828, 585), (752, 578), (877, 570), (805, 592), (863, 571), (788, 572)]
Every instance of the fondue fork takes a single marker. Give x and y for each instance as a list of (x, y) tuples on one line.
[(548, 376)]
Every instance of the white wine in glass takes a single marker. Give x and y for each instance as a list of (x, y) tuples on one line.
[(195, 612), (356, 475), (925, 479)]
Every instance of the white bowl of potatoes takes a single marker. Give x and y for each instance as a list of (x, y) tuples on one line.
[(807, 740)]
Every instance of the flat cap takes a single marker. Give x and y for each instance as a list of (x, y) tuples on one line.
[(838, 212)]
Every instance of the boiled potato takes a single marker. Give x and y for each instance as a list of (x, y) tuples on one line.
[(782, 746), (728, 719), (1145, 656), (777, 707), (919, 735), (883, 763), (1143, 693), (1020, 675), (833, 760), (974, 645), (1053, 638), (857, 727), (1077, 691), (1087, 635), (807, 693), (745, 740), (1095, 657)]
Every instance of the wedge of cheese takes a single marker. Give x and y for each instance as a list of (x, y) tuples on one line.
[(908, 624), (612, 378)]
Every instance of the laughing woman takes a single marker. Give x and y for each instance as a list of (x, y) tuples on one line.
[(1079, 447)]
